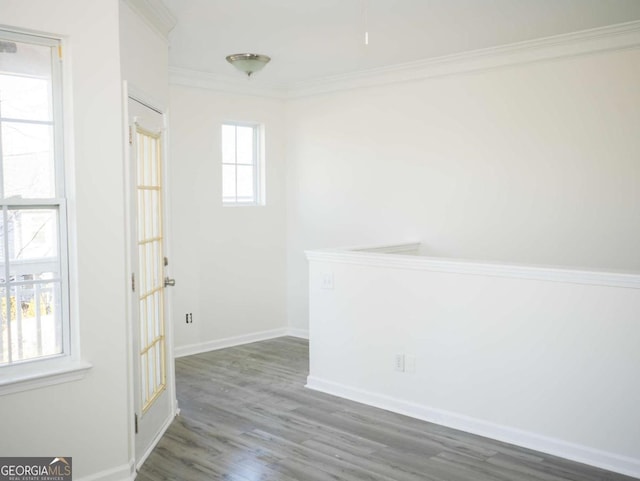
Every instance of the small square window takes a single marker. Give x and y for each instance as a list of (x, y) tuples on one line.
[(241, 165)]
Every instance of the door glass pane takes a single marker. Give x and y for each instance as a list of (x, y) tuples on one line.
[(158, 365), (149, 321), (141, 284), (150, 265), (142, 308), (155, 218), (156, 300), (144, 374), (140, 219), (152, 368), (148, 229), (149, 268), (153, 157), (147, 141), (158, 279)]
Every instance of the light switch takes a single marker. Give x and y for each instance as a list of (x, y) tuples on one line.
[(327, 280)]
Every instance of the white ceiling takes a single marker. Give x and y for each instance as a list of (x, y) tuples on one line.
[(313, 39)]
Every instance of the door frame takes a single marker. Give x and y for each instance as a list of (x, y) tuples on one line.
[(130, 92)]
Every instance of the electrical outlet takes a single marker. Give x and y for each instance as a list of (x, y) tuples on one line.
[(326, 280), (188, 317), (399, 362)]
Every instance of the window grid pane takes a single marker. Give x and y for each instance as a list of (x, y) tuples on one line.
[(33, 271), (240, 174), (26, 82), (28, 161), (30, 284)]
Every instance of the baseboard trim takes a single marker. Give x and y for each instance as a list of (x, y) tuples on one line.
[(295, 332), (223, 343), (129, 471), (119, 473), (526, 439)]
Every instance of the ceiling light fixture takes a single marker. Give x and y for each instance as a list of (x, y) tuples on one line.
[(248, 62)]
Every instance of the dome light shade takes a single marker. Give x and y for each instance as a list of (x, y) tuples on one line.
[(248, 62)]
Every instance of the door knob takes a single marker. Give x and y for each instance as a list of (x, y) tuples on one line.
[(169, 282)]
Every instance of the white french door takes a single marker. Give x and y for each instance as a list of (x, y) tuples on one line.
[(153, 406)]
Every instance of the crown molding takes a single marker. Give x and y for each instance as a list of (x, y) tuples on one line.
[(155, 13), (223, 83), (614, 37)]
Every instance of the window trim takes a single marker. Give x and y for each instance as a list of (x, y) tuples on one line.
[(66, 366), (257, 164)]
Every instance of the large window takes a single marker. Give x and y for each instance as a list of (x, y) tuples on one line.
[(241, 167), (33, 266)]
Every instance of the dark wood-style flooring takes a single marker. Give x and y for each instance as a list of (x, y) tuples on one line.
[(246, 416)]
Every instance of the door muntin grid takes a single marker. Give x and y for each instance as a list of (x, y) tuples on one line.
[(150, 266)]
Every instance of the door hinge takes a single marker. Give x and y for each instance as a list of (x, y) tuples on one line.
[(130, 136), (133, 282), (135, 422), (60, 52)]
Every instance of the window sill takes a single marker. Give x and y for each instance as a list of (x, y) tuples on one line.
[(38, 374)]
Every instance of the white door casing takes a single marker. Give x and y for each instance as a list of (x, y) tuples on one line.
[(152, 375)]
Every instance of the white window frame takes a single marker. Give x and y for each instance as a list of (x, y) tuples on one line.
[(66, 366), (257, 164)]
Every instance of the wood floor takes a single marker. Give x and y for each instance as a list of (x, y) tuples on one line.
[(246, 416)]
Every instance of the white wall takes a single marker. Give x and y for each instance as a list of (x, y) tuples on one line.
[(545, 363), (85, 419), (144, 58), (229, 262), (532, 164)]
